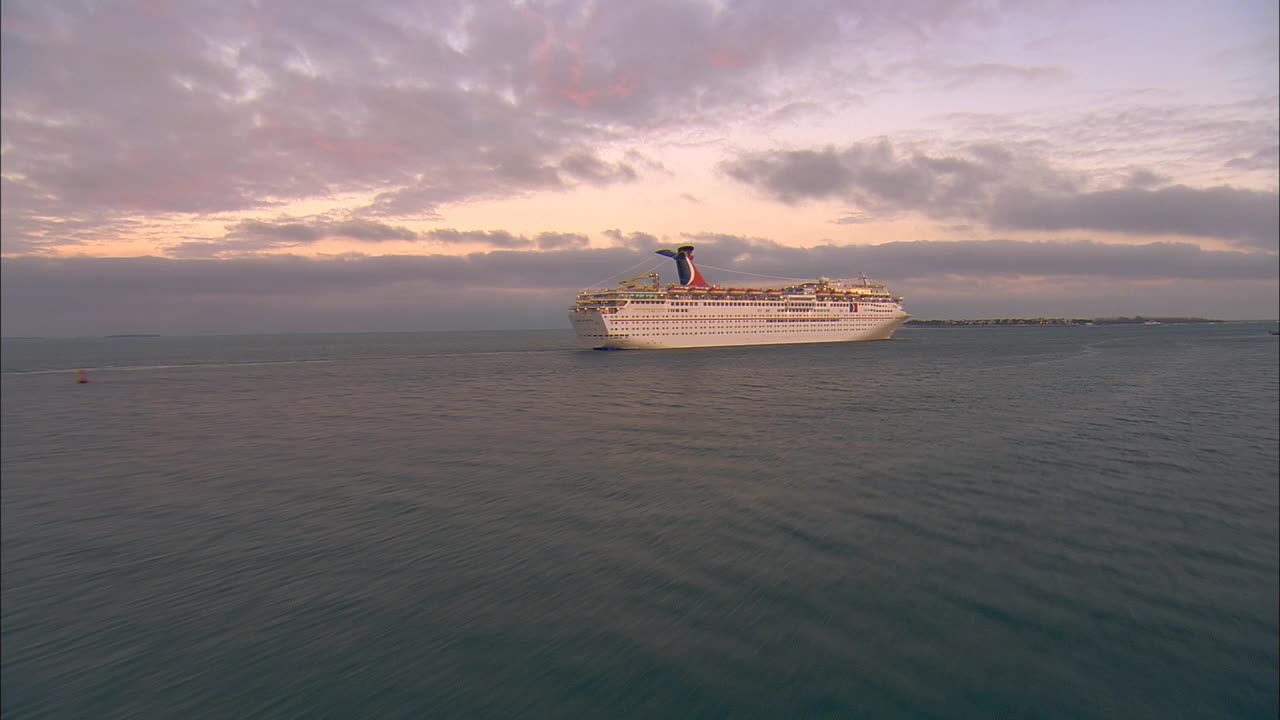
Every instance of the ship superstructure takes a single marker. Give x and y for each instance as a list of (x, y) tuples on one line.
[(641, 314)]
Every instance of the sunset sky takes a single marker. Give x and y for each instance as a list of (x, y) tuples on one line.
[(197, 167)]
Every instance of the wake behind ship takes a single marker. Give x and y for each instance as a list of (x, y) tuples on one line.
[(694, 313)]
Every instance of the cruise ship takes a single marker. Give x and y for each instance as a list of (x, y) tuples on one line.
[(640, 314)]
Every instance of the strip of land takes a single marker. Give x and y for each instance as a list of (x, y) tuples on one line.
[(1137, 320)]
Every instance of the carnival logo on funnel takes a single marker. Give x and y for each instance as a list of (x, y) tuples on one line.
[(689, 274)]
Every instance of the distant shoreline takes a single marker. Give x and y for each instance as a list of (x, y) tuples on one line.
[(911, 323), (1061, 322)]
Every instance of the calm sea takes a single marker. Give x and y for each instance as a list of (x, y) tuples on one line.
[(985, 523)]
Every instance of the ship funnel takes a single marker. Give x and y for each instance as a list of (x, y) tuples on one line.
[(689, 274)]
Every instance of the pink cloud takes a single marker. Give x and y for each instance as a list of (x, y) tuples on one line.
[(576, 87)]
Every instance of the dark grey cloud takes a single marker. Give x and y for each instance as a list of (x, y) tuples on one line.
[(490, 238), (561, 241), (1248, 218), (96, 296), (584, 166), (1144, 179), (650, 166), (1006, 189), (297, 233), (209, 249), (795, 175), (503, 240), (979, 261), (370, 231), (253, 236), (884, 180)]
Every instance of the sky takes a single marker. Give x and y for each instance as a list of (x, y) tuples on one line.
[(245, 166)]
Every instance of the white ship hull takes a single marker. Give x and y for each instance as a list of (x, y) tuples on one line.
[(595, 331)]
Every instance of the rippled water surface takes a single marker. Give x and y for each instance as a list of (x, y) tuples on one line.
[(1012, 522)]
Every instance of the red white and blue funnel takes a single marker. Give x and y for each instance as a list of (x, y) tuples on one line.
[(689, 274)]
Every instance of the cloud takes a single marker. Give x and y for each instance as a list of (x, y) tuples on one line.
[(884, 180), (249, 237), (585, 166), (31, 223), (501, 239), (1267, 158), (635, 240), (986, 258), (253, 236), (1144, 179), (952, 76), (792, 176), (293, 233), (488, 238), (120, 110), (370, 231), (799, 110), (120, 113), (1182, 138), (531, 288), (1247, 218), (1005, 189), (561, 241), (646, 64), (852, 219), (636, 158)]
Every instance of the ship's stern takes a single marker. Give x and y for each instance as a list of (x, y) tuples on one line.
[(589, 326)]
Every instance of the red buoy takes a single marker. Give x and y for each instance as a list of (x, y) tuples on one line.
[(83, 378)]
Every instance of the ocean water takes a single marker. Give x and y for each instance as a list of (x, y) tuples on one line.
[(958, 523)]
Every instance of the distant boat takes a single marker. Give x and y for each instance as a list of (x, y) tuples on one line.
[(1153, 322), (1274, 331)]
